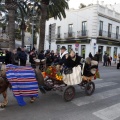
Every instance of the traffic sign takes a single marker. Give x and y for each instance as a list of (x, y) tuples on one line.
[(76, 45)]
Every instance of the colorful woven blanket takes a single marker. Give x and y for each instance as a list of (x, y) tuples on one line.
[(23, 81)]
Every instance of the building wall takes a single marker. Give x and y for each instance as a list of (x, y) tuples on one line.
[(92, 14), (76, 17)]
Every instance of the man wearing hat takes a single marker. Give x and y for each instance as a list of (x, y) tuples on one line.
[(63, 53)]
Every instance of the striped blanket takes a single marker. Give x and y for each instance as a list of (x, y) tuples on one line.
[(23, 81)]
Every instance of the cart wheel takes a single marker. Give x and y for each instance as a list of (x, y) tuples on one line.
[(69, 93), (90, 88)]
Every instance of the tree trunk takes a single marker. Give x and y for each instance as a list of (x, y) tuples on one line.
[(42, 27), (11, 29), (11, 7), (23, 34)]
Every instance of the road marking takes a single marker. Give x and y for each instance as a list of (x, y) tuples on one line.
[(96, 97), (109, 113), (105, 84), (98, 79)]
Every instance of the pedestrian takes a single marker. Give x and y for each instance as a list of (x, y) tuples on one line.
[(23, 57), (56, 58), (32, 57), (97, 57), (52, 55), (105, 58), (115, 58), (90, 55), (48, 58), (109, 60), (41, 55), (72, 60), (15, 58), (7, 57), (63, 54)]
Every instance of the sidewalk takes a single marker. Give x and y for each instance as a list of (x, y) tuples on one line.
[(112, 64)]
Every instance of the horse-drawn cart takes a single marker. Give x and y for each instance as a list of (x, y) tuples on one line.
[(53, 83)]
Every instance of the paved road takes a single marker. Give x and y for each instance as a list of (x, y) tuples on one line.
[(104, 104)]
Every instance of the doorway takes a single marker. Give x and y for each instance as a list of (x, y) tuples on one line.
[(108, 50), (100, 50)]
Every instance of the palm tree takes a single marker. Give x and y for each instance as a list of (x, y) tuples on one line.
[(17, 10), (11, 6), (22, 13), (49, 8)]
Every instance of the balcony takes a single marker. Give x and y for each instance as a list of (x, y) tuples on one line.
[(106, 34), (69, 35), (82, 33), (58, 36)]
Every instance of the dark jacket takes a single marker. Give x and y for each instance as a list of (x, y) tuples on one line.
[(48, 60), (71, 63), (15, 59), (22, 56), (56, 59), (105, 57), (62, 60), (8, 58), (87, 70), (41, 56), (32, 55), (90, 55), (96, 57)]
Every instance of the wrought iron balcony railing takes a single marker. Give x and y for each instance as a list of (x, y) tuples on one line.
[(69, 35), (82, 33), (109, 34)]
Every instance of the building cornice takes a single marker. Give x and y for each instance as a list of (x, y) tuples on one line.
[(108, 17)]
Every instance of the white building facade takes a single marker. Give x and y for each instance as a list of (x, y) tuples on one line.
[(91, 29)]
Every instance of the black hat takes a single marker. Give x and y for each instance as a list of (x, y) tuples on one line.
[(63, 47)]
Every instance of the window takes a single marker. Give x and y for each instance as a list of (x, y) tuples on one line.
[(109, 30), (70, 30), (84, 28), (117, 32), (100, 28), (58, 31)]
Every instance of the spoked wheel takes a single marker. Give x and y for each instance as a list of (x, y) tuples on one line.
[(69, 93), (90, 88)]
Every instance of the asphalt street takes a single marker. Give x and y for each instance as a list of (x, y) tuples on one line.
[(104, 104)]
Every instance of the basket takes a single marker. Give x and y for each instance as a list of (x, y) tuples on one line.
[(52, 73)]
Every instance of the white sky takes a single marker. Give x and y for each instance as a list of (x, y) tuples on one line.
[(76, 3)]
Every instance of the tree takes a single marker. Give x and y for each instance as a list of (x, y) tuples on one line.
[(17, 11), (47, 9), (22, 13), (11, 6)]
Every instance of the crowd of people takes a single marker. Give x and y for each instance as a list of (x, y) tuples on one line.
[(107, 60), (70, 60), (16, 57)]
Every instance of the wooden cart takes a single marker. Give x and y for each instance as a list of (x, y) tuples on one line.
[(69, 90)]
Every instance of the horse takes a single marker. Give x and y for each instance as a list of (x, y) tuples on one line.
[(4, 84)]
